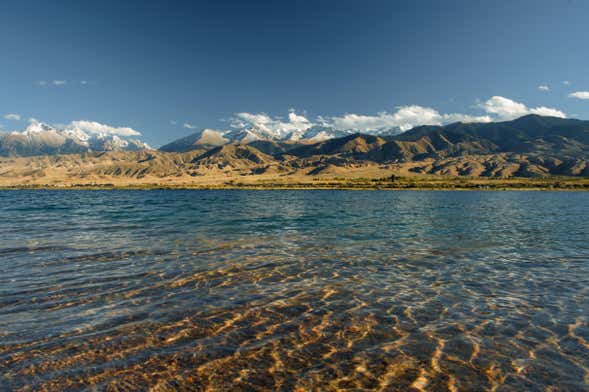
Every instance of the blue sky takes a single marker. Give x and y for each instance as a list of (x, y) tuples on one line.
[(146, 64)]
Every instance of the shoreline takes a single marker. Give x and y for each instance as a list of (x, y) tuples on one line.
[(414, 184)]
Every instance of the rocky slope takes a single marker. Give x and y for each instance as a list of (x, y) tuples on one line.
[(532, 134), (531, 146)]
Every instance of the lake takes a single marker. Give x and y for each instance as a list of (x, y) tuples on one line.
[(279, 290)]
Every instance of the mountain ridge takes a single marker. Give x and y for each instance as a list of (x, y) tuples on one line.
[(520, 135), (42, 139), (531, 146)]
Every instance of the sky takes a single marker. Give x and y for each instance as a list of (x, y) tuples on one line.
[(166, 68)]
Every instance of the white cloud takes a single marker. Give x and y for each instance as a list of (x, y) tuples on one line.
[(55, 82), (173, 122), (12, 116), (273, 125), (544, 111), (465, 118), (243, 119), (580, 95), (297, 121), (507, 109), (405, 118), (566, 82), (504, 108), (98, 128), (543, 87), (189, 126)]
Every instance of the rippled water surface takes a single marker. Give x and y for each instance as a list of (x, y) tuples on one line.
[(286, 290)]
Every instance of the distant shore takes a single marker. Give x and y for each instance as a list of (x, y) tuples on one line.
[(411, 183)]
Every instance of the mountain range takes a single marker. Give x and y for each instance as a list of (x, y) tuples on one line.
[(43, 139), (529, 134), (529, 146), (247, 135)]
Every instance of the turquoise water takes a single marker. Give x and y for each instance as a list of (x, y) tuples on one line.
[(267, 290)]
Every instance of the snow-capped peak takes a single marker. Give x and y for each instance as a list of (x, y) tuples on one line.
[(74, 138), (36, 127)]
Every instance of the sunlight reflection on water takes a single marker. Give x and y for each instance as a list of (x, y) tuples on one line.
[(293, 289)]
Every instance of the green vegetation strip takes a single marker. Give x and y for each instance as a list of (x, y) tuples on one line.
[(389, 183)]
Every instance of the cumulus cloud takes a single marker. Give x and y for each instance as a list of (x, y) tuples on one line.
[(404, 118), (543, 87), (504, 108), (580, 95), (544, 111), (189, 126), (566, 82), (507, 109), (59, 82), (298, 120), (98, 128), (269, 124), (465, 118), (260, 119), (12, 116), (80, 128)]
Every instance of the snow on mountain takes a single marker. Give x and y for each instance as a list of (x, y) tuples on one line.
[(320, 133), (39, 138), (314, 133), (35, 128), (298, 127), (248, 133)]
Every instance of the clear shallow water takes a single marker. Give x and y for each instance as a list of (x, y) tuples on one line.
[(249, 290)]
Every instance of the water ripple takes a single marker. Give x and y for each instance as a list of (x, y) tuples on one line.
[(262, 290)]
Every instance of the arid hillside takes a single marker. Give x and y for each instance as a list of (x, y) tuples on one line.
[(245, 164), (529, 147)]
